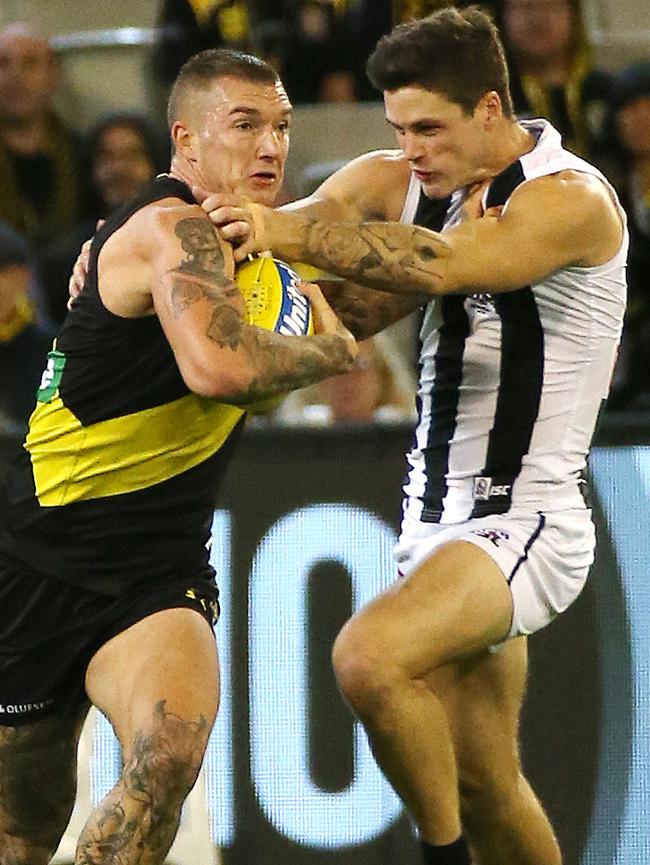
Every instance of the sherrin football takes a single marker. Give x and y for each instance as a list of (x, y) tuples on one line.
[(273, 302), (273, 299)]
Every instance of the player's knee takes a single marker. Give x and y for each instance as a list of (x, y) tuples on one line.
[(165, 757), (364, 673)]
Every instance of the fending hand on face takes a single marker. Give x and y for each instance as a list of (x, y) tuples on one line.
[(238, 220)]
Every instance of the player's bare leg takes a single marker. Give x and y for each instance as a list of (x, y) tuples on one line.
[(38, 780), (158, 684), (502, 818), (455, 604)]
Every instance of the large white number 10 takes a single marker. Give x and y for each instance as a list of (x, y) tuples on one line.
[(278, 675)]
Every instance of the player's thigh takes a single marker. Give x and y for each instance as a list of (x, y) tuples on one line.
[(483, 696), (38, 777), (454, 603), (163, 667)]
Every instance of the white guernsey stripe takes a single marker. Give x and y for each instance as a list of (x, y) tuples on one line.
[(511, 385)]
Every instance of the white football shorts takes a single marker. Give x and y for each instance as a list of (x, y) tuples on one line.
[(544, 557)]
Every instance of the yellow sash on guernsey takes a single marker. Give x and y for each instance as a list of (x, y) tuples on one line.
[(73, 463)]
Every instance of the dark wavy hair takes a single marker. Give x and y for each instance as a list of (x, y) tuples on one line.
[(456, 52)]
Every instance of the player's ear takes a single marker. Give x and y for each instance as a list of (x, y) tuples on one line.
[(183, 140), (490, 106)]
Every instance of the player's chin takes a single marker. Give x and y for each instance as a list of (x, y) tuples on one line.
[(264, 191), (437, 188)]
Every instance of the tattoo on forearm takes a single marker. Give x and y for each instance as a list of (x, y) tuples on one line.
[(281, 363), (284, 363), (388, 256), (366, 311)]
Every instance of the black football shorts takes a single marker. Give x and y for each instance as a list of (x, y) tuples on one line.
[(50, 630)]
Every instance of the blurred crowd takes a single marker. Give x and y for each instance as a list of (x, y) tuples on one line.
[(55, 183)]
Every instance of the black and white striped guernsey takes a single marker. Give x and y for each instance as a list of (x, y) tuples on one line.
[(511, 385)]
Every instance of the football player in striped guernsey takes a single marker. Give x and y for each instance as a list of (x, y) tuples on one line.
[(515, 249)]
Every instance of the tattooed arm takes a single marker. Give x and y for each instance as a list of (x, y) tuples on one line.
[(203, 315), (366, 311), (556, 221)]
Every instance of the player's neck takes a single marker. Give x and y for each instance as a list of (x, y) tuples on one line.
[(182, 171), (510, 143)]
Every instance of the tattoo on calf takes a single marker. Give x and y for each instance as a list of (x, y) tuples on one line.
[(138, 819)]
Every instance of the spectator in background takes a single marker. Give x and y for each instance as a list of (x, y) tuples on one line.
[(23, 342), (628, 137), (39, 175), (186, 27), (314, 51), (307, 41), (123, 154), (552, 72), (378, 389), (372, 19)]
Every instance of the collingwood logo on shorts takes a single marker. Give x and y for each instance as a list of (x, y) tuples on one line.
[(484, 489), (493, 535), (23, 708)]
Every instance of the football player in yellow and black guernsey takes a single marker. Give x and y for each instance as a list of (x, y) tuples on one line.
[(106, 591)]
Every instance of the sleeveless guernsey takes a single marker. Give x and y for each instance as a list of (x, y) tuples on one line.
[(116, 480), (511, 385)]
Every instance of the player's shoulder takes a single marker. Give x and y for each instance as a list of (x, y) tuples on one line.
[(573, 207), (375, 183), (570, 189), (165, 212), (151, 225)]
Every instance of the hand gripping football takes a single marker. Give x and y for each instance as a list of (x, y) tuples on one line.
[(273, 299)]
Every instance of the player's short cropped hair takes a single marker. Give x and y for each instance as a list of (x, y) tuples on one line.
[(456, 52), (203, 68)]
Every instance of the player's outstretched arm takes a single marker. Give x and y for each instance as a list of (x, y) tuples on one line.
[(370, 186), (202, 312), (550, 223)]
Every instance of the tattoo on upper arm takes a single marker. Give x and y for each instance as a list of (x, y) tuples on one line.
[(199, 241), (201, 274)]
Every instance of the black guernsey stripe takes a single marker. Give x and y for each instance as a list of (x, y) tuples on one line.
[(431, 213), (445, 396), (521, 374), (518, 400)]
